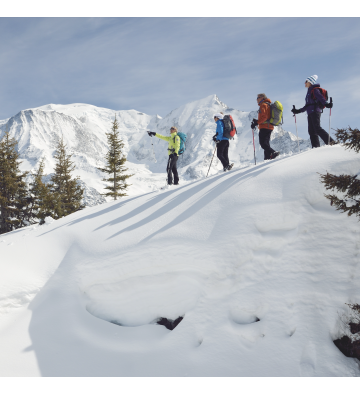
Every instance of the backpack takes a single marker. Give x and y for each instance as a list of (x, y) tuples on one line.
[(229, 127), (276, 113), (324, 94), (182, 142)]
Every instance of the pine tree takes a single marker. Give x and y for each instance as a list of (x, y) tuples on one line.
[(42, 201), (66, 192), (115, 164), (13, 189), (347, 185)]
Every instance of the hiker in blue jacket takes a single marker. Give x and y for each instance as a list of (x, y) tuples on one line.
[(222, 142), (312, 100)]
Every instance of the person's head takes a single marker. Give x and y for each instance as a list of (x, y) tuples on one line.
[(173, 129), (218, 115), (260, 97), (310, 81)]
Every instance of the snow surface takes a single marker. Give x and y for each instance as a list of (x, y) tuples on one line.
[(256, 260), (84, 129)]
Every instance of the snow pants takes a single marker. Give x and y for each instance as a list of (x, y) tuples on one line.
[(315, 130), (172, 169), (264, 139), (223, 152)]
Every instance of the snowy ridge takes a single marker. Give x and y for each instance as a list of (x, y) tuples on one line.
[(84, 129), (256, 261), (196, 120)]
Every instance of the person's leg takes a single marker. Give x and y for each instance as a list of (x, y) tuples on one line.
[(174, 170), (169, 170), (226, 153), (261, 141), (314, 138), (220, 152), (264, 139), (319, 130)]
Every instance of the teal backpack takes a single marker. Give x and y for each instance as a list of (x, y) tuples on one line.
[(182, 142)]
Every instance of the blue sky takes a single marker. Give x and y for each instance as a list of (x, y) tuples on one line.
[(157, 64)]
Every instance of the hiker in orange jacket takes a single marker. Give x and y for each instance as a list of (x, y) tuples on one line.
[(265, 128)]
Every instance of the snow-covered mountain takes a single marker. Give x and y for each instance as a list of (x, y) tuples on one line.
[(84, 126), (196, 120), (256, 261)]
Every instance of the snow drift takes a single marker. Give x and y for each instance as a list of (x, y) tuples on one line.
[(256, 261)]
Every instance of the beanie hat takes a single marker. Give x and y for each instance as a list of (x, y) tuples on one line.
[(218, 115), (312, 79)]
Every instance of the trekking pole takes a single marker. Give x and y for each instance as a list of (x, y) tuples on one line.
[(330, 121), (296, 130), (211, 161), (153, 151), (254, 146), (152, 147), (167, 171)]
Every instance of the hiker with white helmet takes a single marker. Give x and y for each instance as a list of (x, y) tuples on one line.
[(222, 142), (316, 101)]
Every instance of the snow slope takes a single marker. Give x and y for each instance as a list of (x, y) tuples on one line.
[(256, 260), (84, 128)]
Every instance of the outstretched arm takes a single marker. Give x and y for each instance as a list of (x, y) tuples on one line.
[(160, 136)]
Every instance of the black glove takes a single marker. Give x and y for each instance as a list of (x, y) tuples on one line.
[(151, 134), (214, 137), (295, 111), (254, 123), (329, 105)]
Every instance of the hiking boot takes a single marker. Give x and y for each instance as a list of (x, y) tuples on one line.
[(230, 167), (274, 155), (225, 168)]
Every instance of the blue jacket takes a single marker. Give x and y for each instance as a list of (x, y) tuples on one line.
[(220, 130), (309, 100)]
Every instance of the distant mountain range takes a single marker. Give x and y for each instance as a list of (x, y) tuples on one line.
[(83, 127)]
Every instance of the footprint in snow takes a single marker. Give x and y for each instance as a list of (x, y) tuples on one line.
[(308, 360)]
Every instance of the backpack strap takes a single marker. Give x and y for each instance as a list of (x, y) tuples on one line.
[(181, 140)]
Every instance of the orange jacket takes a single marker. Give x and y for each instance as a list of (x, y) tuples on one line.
[(264, 115)]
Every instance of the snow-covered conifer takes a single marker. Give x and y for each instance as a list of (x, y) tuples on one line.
[(13, 189), (115, 164), (42, 201), (66, 192), (348, 186)]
